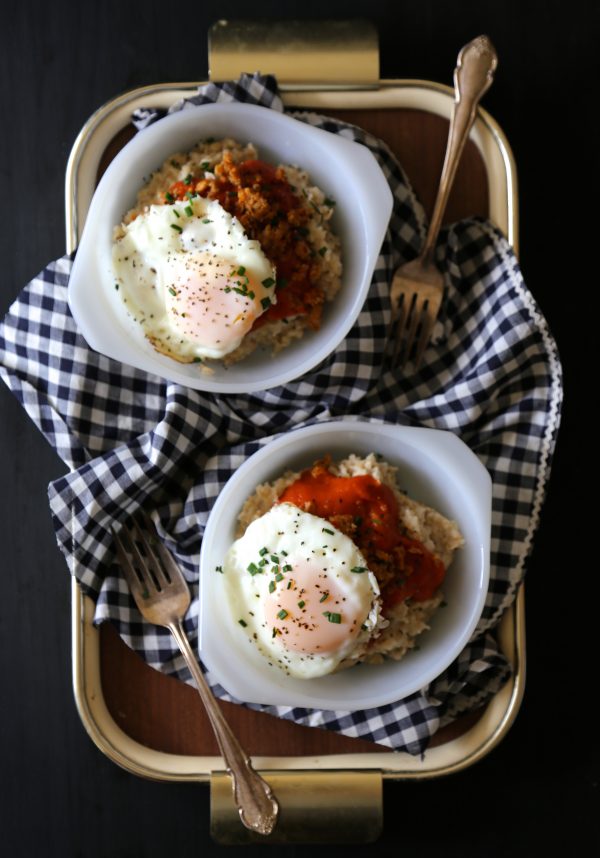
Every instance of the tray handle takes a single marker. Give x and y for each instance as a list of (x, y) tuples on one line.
[(309, 54), (333, 806)]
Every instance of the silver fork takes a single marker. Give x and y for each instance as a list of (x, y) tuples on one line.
[(163, 598), (418, 286)]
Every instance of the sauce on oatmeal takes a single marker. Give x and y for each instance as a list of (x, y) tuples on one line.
[(367, 511)]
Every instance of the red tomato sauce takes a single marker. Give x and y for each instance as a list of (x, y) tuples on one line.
[(420, 577), (367, 511)]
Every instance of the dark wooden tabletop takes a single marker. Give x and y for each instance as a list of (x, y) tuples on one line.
[(537, 792)]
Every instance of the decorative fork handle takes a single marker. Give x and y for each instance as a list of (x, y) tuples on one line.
[(473, 76), (256, 804)]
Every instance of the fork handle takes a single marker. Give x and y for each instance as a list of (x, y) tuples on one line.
[(473, 76), (253, 796)]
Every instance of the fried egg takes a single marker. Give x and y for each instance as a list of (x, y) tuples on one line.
[(301, 591), (188, 273)]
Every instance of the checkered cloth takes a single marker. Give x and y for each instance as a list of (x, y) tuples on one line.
[(492, 376)]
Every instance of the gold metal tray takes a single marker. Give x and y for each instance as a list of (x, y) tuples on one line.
[(299, 776)]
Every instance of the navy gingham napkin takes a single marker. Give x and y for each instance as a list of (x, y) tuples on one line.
[(492, 376)]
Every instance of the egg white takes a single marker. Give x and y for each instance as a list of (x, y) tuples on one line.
[(168, 243), (263, 565)]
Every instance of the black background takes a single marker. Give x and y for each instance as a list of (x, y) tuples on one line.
[(537, 793)]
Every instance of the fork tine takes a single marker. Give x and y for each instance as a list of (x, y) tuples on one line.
[(417, 308), (398, 326), (168, 566), (426, 329), (125, 546), (141, 568), (147, 558)]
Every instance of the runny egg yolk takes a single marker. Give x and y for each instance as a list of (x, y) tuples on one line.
[(310, 613), (212, 301)]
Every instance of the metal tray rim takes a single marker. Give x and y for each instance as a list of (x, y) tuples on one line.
[(501, 712)]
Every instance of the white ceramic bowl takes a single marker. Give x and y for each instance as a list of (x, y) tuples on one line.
[(436, 468), (344, 170)]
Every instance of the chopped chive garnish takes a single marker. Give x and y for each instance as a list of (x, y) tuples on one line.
[(207, 220), (274, 558), (243, 623), (322, 251), (326, 530), (282, 614), (263, 551), (117, 286), (266, 303), (205, 165), (301, 603), (189, 211), (263, 562), (271, 586), (323, 597), (176, 227), (172, 292), (329, 202), (359, 569), (188, 179), (176, 213), (333, 618), (285, 554), (169, 197), (241, 270), (268, 282), (219, 569), (253, 569), (279, 577), (287, 568)]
